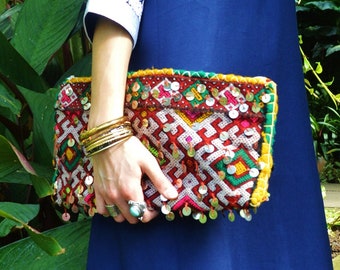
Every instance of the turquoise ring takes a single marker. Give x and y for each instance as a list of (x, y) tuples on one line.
[(137, 209)]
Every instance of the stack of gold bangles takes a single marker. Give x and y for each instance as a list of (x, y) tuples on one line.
[(106, 135)]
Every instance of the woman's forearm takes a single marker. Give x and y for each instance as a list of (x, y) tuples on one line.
[(112, 47)]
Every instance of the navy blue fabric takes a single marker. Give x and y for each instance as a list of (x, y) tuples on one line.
[(251, 38)]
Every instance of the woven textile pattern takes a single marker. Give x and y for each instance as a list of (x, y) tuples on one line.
[(212, 135)]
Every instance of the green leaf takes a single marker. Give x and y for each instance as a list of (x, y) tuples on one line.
[(318, 68), (2, 5), (306, 65), (22, 159), (23, 213), (330, 82), (42, 107), (74, 237), (13, 157), (307, 82), (19, 176), (337, 97), (81, 69), (42, 187), (324, 5), (9, 101), (42, 28), (46, 243), (8, 19), (332, 50), (9, 162), (15, 68)]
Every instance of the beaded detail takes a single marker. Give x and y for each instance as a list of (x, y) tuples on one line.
[(212, 135)]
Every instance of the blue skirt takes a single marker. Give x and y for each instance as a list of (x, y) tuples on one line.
[(250, 38)]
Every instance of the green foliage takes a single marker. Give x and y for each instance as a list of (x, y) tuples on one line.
[(319, 29), (74, 237), (47, 32), (332, 218), (42, 42)]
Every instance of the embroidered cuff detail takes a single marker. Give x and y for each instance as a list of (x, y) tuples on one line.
[(126, 13)]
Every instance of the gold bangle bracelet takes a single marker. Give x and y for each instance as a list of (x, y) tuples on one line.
[(116, 133), (107, 145), (105, 133), (117, 136), (88, 133)]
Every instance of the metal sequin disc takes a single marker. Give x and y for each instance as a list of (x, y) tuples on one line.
[(209, 148), (233, 114), (213, 214), (244, 107), (165, 209), (254, 172), (210, 101), (71, 142), (265, 98), (249, 96), (175, 86), (170, 216), (231, 169), (203, 218), (224, 135), (203, 189), (186, 211), (190, 96), (66, 216), (201, 88), (88, 180), (84, 100), (87, 106), (191, 152)]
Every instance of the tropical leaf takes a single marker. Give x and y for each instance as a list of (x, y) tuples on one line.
[(42, 107), (73, 236), (332, 50), (42, 28), (9, 101), (2, 5), (324, 5), (42, 186), (12, 160), (8, 19), (19, 176), (14, 67), (9, 162), (12, 211), (23, 213)]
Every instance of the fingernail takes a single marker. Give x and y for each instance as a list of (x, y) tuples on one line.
[(171, 193)]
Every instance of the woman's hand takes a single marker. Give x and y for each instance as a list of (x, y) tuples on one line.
[(117, 178), (118, 170)]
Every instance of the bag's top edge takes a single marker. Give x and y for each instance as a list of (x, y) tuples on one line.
[(195, 74)]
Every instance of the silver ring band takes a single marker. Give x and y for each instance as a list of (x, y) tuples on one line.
[(137, 209), (112, 209)]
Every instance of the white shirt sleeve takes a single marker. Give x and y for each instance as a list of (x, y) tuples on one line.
[(126, 13)]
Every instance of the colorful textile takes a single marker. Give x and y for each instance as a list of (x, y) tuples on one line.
[(212, 134)]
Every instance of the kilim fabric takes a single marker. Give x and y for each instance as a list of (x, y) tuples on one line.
[(212, 135)]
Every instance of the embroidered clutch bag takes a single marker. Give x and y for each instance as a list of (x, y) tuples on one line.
[(212, 135)]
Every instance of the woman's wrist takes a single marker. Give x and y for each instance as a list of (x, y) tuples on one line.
[(112, 47)]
